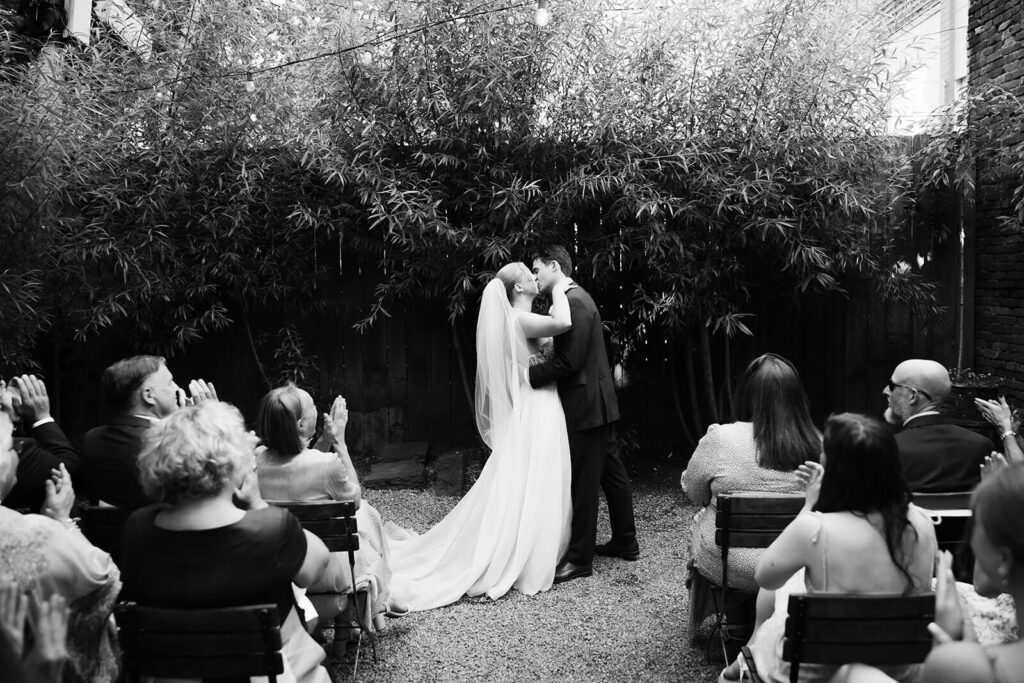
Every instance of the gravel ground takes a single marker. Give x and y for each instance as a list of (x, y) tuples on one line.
[(625, 623)]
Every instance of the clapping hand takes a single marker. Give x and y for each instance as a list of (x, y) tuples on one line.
[(996, 412), (60, 495), (200, 390), (48, 620), (336, 421), (13, 610), (35, 402), (993, 463), (950, 623), (810, 474)]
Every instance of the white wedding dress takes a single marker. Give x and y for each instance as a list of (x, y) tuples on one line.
[(512, 527)]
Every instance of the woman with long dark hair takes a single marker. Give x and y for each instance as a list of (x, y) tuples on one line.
[(857, 534), (773, 434)]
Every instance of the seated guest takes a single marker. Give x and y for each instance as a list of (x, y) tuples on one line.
[(45, 448), (937, 457), (999, 414), (213, 542), (760, 452), (47, 555), (289, 470), (857, 534), (138, 391), (997, 539)]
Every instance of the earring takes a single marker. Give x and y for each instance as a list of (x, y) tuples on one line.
[(1003, 572)]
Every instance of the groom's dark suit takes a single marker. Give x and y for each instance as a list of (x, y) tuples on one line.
[(580, 366)]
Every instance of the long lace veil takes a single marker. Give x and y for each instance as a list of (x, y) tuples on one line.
[(501, 355)]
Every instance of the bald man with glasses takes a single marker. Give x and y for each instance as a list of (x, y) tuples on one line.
[(937, 457)]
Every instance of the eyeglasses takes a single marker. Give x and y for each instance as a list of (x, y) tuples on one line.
[(892, 387)]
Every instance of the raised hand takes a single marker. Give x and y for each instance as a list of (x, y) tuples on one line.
[(561, 287), (950, 623), (60, 495), (996, 412), (339, 416), (35, 402), (810, 474), (49, 619), (200, 390), (994, 462), (13, 611)]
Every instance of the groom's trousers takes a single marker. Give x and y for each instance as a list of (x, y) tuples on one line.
[(596, 464)]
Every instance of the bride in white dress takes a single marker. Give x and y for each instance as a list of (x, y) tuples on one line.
[(512, 527)]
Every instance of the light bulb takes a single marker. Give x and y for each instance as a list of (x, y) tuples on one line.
[(366, 58), (250, 85), (542, 17)]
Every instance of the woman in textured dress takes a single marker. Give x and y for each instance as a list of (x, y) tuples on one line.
[(760, 452)]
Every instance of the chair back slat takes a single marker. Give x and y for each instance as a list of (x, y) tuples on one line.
[(237, 666), (748, 503), (745, 522), (872, 629), (102, 527), (960, 500), (200, 643), (873, 654), (745, 539), (865, 607)]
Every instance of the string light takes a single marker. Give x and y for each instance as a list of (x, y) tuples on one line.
[(543, 16), (250, 85)]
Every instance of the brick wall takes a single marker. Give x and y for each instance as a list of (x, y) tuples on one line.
[(996, 56)]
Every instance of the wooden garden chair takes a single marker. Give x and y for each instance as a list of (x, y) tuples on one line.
[(951, 514), (878, 630), (229, 643), (335, 524), (743, 520)]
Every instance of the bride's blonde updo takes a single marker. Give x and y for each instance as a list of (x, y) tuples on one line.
[(512, 275)]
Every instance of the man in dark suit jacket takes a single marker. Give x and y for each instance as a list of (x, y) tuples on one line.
[(44, 449), (937, 457), (580, 366), (139, 391)]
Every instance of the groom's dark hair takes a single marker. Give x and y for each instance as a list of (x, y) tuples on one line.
[(555, 252)]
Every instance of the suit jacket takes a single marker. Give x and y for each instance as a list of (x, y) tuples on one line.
[(580, 366), (45, 451), (109, 462), (938, 457)]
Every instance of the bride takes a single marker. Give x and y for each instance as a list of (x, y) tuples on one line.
[(512, 526)]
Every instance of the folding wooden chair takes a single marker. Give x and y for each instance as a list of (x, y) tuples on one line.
[(335, 524), (879, 630), (744, 520), (102, 526), (229, 643)]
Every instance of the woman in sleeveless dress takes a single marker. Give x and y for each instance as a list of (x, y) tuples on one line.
[(960, 654), (512, 527), (857, 534)]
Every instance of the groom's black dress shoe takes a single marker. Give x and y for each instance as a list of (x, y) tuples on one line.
[(567, 570), (612, 550)]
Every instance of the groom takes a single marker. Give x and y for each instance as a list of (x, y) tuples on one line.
[(580, 366)]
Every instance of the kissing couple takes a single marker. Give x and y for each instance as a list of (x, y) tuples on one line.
[(545, 406)]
